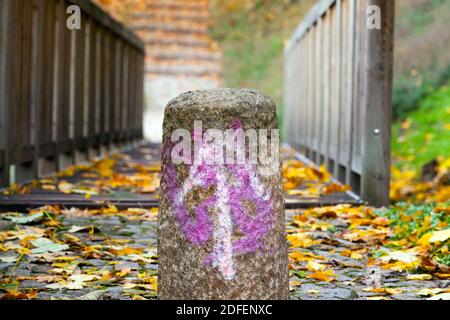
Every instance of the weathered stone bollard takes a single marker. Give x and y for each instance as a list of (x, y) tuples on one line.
[(221, 231)]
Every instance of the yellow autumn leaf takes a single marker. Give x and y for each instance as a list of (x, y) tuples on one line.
[(419, 277), (313, 292), (430, 291), (315, 266), (390, 291), (440, 236), (407, 257), (300, 240), (424, 240), (322, 275)]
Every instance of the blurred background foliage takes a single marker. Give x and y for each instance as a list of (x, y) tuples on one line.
[(252, 35)]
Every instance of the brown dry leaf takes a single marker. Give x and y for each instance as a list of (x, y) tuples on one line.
[(19, 295)]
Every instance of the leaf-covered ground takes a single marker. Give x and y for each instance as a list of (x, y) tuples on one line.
[(340, 252)]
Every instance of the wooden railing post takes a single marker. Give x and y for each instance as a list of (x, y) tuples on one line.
[(378, 106), (5, 56)]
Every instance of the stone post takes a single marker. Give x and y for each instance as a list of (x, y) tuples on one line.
[(221, 231)]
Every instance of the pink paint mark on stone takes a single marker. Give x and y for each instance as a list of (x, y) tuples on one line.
[(227, 202)]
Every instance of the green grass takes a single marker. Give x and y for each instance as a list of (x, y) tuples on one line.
[(252, 36), (424, 135)]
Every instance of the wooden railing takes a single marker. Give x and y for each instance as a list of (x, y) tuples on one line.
[(65, 95), (338, 84)]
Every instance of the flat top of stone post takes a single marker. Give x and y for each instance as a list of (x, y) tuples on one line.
[(225, 98)]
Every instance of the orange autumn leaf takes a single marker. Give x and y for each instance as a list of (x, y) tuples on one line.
[(326, 276)]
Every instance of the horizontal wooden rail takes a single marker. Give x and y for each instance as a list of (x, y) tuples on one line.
[(338, 86), (65, 95)]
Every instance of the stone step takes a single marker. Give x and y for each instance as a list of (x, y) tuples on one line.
[(170, 16), (178, 5), (179, 48), (205, 55), (181, 42), (214, 80), (187, 70), (185, 63), (183, 29)]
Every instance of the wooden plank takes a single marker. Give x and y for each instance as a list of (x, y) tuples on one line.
[(98, 82), (351, 88), (355, 173), (112, 91), (118, 90), (286, 104), (334, 108), (326, 84), (107, 86), (291, 110), (24, 203), (20, 93), (72, 36), (37, 78), (131, 93), (358, 111), (345, 114), (125, 97), (92, 81), (304, 92), (339, 86), (6, 25), (45, 115), (79, 88), (378, 103), (20, 136), (294, 105), (319, 91), (141, 95), (309, 92), (62, 84), (295, 96), (101, 131)]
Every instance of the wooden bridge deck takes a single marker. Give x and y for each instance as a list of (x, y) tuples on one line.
[(134, 183)]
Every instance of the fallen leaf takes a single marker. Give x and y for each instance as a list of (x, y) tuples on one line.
[(402, 256), (322, 275), (419, 277), (24, 219), (94, 295), (440, 236), (9, 259), (44, 245), (442, 296), (430, 291)]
